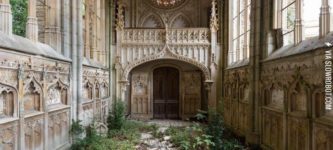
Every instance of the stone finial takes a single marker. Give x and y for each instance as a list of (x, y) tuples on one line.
[(5, 17), (214, 25), (32, 23), (120, 17)]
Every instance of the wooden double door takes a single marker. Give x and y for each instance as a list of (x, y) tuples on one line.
[(166, 93)]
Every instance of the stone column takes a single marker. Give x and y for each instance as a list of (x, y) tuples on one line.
[(74, 68), (5, 17), (20, 78), (66, 27), (324, 18), (45, 110), (214, 26), (98, 30), (93, 48), (208, 87), (111, 52), (79, 55), (298, 22), (87, 30), (120, 23), (32, 22)]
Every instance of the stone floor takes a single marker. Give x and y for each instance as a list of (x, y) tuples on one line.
[(149, 142), (168, 123)]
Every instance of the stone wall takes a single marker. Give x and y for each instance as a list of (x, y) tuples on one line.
[(46, 83), (278, 95)]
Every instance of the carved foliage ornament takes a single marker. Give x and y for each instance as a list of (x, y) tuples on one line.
[(166, 4)]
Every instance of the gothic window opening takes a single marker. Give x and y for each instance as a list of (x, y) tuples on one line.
[(240, 30), (311, 18)]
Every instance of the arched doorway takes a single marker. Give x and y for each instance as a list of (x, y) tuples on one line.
[(166, 93)]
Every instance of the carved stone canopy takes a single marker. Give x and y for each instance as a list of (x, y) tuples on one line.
[(166, 4)]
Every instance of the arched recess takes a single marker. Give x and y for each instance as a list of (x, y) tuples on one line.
[(152, 20), (97, 90), (58, 93), (299, 98), (191, 88), (274, 96), (32, 96), (8, 101), (104, 87), (181, 21), (88, 90), (166, 54)]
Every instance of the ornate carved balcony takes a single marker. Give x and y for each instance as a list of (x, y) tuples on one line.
[(140, 44)]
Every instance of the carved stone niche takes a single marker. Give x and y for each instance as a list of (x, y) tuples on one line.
[(244, 92), (32, 97), (8, 103), (57, 94), (320, 107), (88, 90), (274, 97), (298, 98), (104, 87), (97, 91)]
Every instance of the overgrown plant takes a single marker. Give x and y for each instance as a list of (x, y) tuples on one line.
[(116, 116), (20, 15), (192, 137), (215, 128), (76, 130)]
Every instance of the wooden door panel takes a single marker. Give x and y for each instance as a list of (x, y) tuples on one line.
[(166, 93)]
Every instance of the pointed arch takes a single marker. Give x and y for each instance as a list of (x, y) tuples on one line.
[(181, 21), (58, 93), (88, 90), (152, 20), (33, 95), (166, 53)]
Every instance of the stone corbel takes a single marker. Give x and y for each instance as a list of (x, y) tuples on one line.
[(208, 85), (209, 88)]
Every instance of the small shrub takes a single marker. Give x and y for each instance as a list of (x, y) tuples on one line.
[(201, 116), (116, 116), (189, 138), (215, 128)]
